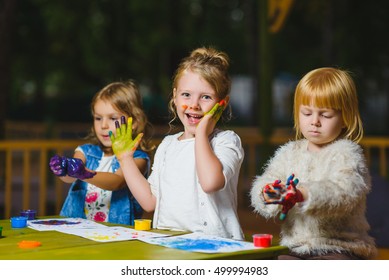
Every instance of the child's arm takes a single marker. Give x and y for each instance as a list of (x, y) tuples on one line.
[(208, 166), (124, 146), (70, 169)]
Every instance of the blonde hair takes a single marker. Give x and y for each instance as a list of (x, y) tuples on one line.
[(124, 97), (333, 89), (212, 65)]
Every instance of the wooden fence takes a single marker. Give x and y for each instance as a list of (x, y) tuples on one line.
[(26, 181)]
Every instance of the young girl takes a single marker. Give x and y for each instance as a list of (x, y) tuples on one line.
[(193, 184), (98, 191), (328, 180)]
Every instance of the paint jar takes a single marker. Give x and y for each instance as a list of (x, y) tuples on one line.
[(262, 240), (142, 224), (29, 214), (19, 222)]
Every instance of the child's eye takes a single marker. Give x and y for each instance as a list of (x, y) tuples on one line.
[(185, 94), (97, 118), (207, 97)]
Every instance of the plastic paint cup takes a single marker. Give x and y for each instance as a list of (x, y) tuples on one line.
[(30, 214), (19, 222), (262, 240), (142, 224)]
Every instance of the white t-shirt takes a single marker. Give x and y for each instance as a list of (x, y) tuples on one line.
[(181, 202)]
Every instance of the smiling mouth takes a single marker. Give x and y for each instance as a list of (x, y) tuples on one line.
[(194, 118)]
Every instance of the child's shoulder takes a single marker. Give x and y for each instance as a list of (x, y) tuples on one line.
[(345, 145), (293, 145), (225, 135), (88, 148)]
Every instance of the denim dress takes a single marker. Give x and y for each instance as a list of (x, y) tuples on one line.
[(124, 208)]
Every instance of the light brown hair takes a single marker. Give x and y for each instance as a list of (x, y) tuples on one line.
[(125, 97)]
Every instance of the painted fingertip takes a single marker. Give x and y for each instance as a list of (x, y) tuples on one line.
[(223, 102), (123, 119), (110, 133), (117, 125)]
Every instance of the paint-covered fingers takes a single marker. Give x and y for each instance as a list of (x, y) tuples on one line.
[(76, 169), (122, 143), (58, 165), (217, 110), (135, 143)]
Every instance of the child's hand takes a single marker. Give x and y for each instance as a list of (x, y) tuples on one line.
[(73, 167), (122, 142), (217, 110), (273, 192), (58, 165), (76, 169), (286, 195)]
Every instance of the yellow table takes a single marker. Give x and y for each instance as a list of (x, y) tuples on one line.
[(61, 246)]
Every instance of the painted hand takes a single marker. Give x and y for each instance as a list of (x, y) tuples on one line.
[(58, 165), (286, 195), (73, 167), (273, 192), (76, 169), (217, 110), (122, 142)]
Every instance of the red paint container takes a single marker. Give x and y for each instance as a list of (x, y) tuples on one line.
[(262, 240)]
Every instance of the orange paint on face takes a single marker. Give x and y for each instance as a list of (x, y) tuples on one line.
[(184, 107), (223, 102)]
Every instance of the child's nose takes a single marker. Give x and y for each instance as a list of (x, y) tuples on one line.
[(315, 121), (194, 105), (104, 124)]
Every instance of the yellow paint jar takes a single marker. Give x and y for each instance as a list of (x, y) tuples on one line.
[(142, 224)]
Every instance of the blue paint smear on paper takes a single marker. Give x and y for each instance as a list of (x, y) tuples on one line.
[(201, 244)]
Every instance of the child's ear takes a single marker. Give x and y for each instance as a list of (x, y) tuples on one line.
[(227, 99)]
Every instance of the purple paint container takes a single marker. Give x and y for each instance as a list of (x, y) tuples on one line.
[(29, 214)]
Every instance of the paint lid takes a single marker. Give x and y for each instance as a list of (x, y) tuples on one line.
[(29, 244)]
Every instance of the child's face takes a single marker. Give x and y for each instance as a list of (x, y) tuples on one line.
[(193, 97), (320, 126), (104, 121)]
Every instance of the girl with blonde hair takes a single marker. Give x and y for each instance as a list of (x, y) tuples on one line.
[(322, 203)]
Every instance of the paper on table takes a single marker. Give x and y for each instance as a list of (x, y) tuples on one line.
[(198, 242), (62, 223), (109, 234)]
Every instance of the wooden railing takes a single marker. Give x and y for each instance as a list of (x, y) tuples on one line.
[(25, 179)]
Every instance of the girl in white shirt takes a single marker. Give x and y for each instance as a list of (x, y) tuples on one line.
[(193, 183)]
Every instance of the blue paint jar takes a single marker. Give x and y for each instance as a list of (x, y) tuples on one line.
[(19, 222)]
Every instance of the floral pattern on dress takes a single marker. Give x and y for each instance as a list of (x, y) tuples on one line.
[(97, 203)]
